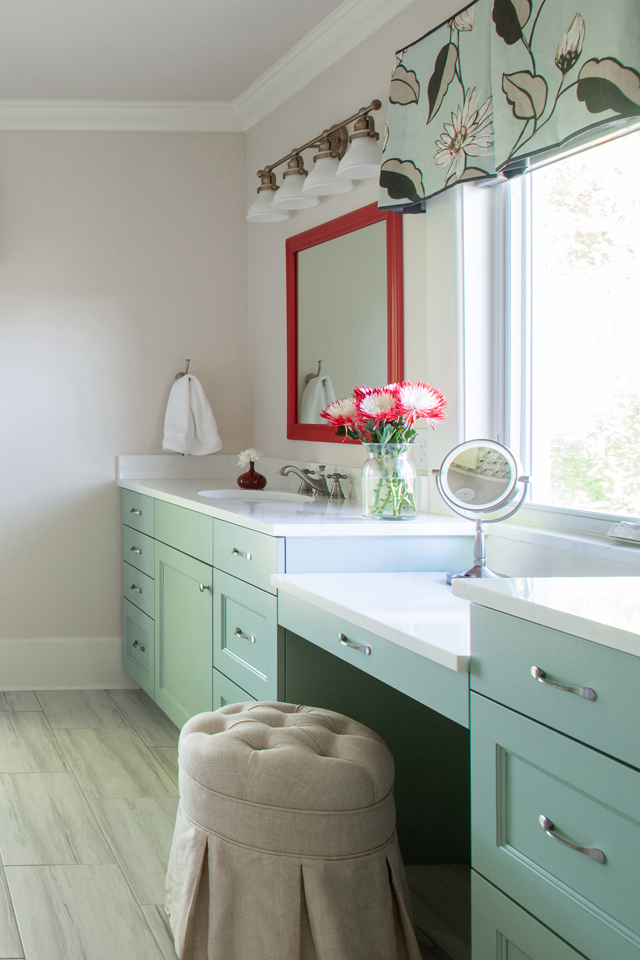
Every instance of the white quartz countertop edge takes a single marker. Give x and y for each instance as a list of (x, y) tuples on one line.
[(604, 610), (302, 587), (282, 519)]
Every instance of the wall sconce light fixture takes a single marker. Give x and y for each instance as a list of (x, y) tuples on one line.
[(340, 159)]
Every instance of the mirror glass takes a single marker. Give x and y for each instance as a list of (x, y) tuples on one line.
[(342, 324), (479, 475), (344, 314)]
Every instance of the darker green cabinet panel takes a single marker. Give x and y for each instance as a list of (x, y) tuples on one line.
[(501, 930), (184, 634), (225, 691)]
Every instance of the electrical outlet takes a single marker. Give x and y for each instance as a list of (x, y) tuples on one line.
[(420, 457)]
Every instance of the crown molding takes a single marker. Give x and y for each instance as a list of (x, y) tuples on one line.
[(347, 26), (339, 33), (193, 116)]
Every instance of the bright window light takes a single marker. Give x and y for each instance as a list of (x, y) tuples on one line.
[(585, 330)]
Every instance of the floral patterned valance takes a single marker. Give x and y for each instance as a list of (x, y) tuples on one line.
[(505, 85)]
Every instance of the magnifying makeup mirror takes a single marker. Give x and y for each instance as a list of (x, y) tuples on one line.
[(479, 477)]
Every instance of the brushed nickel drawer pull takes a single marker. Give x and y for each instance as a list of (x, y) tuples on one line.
[(586, 692), (592, 852), (363, 648), (136, 644), (137, 589), (239, 553), (244, 636), (204, 586), (137, 512), (135, 550)]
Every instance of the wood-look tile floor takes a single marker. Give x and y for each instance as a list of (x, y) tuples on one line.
[(88, 798)]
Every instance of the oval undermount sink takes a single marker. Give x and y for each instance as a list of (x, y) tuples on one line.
[(255, 496)]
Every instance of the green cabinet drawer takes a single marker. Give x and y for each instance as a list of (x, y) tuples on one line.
[(246, 636), (138, 511), (444, 690), (138, 646), (505, 648), (138, 550), (184, 634), (138, 588), (501, 930), (243, 553), (226, 691), (185, 530), (522, 771)]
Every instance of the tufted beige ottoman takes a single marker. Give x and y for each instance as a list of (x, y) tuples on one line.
[(285, 845)]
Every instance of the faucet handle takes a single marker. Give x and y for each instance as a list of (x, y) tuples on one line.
[(336, 490)]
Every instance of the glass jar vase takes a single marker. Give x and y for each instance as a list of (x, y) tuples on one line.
[(388, 482)]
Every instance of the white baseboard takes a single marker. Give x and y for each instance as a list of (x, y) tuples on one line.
[(63, 663)]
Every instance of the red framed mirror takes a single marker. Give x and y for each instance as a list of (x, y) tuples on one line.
[(345, 314)]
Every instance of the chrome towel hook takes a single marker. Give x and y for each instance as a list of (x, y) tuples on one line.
[(179, 375)]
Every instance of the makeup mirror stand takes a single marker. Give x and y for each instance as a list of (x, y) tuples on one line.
[(480, 570)]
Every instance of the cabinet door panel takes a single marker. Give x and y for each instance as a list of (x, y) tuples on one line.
[(246, 636), (226, 691), (184, 635), (138, 646), (501, 930), (521, 771)]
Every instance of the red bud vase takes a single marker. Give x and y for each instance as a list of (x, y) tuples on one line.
[(251, 480)]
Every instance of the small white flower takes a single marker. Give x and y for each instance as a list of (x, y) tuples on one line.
[(470, 134), (246, 456), (570, 46), (465, 20)]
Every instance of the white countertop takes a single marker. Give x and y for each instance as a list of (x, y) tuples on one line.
[(307, 519), (414, 610), (605, 610)]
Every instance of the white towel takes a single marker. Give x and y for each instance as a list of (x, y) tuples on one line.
[(189, 424), (317, 395)]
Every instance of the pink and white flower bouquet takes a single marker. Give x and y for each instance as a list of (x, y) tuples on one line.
[(383, 420)]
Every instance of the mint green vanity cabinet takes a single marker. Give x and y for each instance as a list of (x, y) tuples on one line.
[(246, 637), (185, 530), (139, 589), (246, 554), (555, 782), (138, 645), (445, 691), (225, 691), (138, 511), (138, 550), (505, 649), (521, 771), (500, 930), (183, 634)]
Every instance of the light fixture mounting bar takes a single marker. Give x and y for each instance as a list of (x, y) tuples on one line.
[(326, 134)]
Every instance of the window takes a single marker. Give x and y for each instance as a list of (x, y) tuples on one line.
[(573, 329)]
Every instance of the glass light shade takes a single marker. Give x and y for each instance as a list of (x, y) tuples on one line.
[(363, 159), (262, 210), (322, 180), (290, 195)]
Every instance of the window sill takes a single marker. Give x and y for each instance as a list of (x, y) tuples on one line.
[(571, 531)]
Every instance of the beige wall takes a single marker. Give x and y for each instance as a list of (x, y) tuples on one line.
[(120, 255), (346, 86)]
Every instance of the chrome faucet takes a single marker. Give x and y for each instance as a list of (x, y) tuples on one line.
[(316, 488)]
